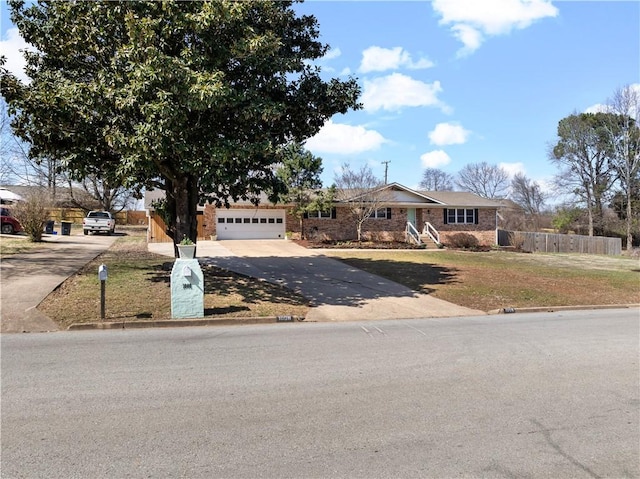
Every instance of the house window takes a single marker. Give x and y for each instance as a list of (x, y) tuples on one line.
[(246, 220), (381, 214), (319, 214), (326, 214), (467, 216)]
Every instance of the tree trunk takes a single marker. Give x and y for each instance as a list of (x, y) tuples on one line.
[(185, 194), (629, 234), (302, 235)]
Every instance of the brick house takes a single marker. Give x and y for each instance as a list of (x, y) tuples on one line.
[(433, 215)]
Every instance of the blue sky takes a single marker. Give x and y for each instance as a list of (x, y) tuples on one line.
[(447, 83)]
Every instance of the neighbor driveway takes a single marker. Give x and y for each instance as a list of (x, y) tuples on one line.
[(27, 278), (337, 291)]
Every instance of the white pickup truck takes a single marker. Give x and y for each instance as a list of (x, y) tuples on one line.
[(99, 221)]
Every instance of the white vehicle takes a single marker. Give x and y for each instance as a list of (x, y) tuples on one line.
[(99, 222)]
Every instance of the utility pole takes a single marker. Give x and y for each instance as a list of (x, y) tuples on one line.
[(386, 170)]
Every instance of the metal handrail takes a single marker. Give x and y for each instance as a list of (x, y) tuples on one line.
[(413, 233), (431, 232)]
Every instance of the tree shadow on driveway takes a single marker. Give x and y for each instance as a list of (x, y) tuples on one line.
[(327, 281)]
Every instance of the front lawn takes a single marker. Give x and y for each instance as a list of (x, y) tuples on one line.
[(498, 279), (138, 288)]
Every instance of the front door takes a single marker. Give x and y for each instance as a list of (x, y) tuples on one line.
[(411, 216)]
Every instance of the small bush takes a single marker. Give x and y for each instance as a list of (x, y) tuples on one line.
[(462, 240), (32, 214), (516, 239)]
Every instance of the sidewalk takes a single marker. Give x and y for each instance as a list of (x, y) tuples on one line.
[(26, 279)]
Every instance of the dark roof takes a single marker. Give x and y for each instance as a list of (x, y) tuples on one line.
[(461, 198), (431, 198)]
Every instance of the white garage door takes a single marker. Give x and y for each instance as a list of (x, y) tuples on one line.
[(250, 224)]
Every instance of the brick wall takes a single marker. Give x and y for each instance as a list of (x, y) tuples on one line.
[(485, 230), (343, 227)]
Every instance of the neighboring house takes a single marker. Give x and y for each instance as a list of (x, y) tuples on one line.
[(438, 213)]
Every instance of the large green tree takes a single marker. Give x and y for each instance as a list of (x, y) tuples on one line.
[(584, 153), (300, 173), (195, 98)]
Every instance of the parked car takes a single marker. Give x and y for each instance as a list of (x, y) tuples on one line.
[(10, 225), (99, 222)]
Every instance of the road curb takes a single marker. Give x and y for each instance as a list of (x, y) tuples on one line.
[(175, 323), (552, 309)]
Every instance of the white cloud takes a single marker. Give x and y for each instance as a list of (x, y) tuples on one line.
[(395, 91), (603, 108), (471, 20), (470, 38), (448, 134), (435, 159), (344, 139), (513, 168), (11, 47), (377, 59), (331, 54), (597, 108)]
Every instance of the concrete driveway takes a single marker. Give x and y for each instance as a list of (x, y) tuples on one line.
[(337, 291), (26, 279)]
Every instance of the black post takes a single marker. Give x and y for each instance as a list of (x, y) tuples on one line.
[(102, 295)]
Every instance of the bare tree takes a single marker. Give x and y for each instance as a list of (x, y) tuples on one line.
[(94, 192), (583, 153), (18, 167), (362, 192), (434, 179), (11, 151), (483, 179), (529, 196), (624, 134)]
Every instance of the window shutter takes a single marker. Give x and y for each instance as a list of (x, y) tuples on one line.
[(333, 213), (446, 218), (475, 213), (388, 213)]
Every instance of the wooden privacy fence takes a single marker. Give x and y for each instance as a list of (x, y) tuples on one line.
[(559, 243), (156, 232), (76, 215)]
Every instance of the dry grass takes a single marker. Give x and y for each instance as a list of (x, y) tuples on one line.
[(17, 244), (138, 288), (139, 283), (497, 279)]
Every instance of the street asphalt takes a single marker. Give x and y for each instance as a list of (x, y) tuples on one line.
[(551, 395)]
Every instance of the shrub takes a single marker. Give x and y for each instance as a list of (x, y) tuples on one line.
[(516, 239), (462, 240), (32, 214)]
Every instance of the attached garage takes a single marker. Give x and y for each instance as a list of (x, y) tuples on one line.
[(250, 224)]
